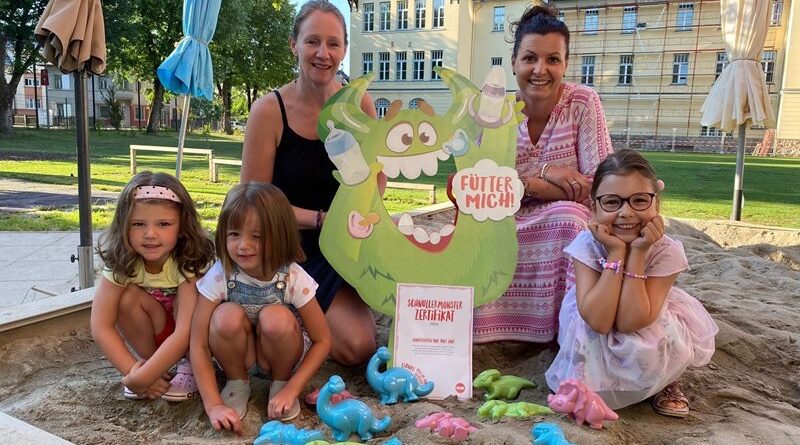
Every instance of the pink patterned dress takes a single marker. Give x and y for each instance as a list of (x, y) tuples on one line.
[(576, 136)]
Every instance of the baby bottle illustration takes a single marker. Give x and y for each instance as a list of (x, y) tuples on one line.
[(344, 151)]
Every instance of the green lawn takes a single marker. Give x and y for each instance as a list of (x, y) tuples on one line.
[(698, 185)]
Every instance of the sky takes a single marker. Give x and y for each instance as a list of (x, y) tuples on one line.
[(342, 5)]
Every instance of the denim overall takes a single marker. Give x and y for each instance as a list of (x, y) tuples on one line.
[(253, 298)]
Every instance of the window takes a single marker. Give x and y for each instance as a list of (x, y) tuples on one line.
[(401, 67), (29, 103), (683, 22), (629, 19), (722, 62), (64, 110), (499, 19), (138, 113), (438, 13), (680, 68), (57, 83), (104, 82), (436, 60), (369, 17), (402, 14), (710, 131), (29, 82), (413, 103), (366, 63), (383, 66), (626, 69), (777, 11), (419, 13), (587, 70), (768, 65), (419, 65), (103, 112), (385, 17), (591, 20), (381, 105), (497, 61), (560, 16)]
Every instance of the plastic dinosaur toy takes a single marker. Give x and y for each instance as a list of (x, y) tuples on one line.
[(394, 384), (348, 416), (497, 409), (311, 398), (580, 403), (445, 425), (500, 386), (392, 441), (277, 433), (545, 433)]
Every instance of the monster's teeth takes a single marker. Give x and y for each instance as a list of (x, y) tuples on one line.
[(420, 235), (442, 155), (447, 229), (410, 167), (405, 225), (390, 168), (435, 237)]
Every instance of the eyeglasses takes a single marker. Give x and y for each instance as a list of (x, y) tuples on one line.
[(637, 201)]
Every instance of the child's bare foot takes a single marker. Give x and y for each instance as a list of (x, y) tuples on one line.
[(671, 401)]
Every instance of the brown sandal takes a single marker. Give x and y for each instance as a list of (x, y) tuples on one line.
[(665, 401)]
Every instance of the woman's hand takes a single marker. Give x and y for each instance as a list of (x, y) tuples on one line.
[(571, 181), (280, 404), (602, 233), (223, 417), (652, 232)]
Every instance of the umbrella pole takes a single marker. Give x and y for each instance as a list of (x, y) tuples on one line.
[(739, 179), (182, 136), (85, 256)]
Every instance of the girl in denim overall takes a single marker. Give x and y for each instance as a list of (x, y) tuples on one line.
[(258, 314)]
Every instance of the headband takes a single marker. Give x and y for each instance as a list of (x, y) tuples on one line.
[(155, 192)]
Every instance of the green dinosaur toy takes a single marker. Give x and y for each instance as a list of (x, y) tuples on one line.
[(500, 386), (496, 409)]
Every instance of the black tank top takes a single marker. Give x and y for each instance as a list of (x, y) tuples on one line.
[(303, 172)]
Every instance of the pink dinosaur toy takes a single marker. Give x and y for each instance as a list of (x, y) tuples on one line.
[(311, 398), (446, 425), (580, 403)]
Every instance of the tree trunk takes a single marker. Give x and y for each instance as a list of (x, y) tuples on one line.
[(7, 107), (249, 96), (154, 121), (226, 106)]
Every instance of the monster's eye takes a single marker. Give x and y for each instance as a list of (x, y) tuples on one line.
[(400, 137), (427, 134)]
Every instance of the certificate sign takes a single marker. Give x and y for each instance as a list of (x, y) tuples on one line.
[(433, 336)]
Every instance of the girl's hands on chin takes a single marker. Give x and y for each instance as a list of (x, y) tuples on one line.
[(602, 233), (652, 232)]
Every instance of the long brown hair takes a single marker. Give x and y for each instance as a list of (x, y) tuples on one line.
[(194, 250), (279, 231)]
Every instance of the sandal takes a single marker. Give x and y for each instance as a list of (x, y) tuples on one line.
[(665, 401)]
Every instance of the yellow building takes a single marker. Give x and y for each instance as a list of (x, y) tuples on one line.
[(652, 62)]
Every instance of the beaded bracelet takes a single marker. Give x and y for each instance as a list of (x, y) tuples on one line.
[(616, 266), (634, 275)]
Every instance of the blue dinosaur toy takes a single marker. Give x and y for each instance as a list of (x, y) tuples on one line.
[(395, 384), (348, 416), (277, 433), (546, 433)]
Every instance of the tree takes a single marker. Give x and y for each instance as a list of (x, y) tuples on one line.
[(18, 19), (115, 114), (141, 34)]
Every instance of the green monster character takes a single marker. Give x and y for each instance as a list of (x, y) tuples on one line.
[(372, 251)]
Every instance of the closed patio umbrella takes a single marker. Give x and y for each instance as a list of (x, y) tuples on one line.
[(740, 93), (188, 69), (73, 38)]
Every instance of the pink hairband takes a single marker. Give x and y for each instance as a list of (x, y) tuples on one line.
[(155, 192)]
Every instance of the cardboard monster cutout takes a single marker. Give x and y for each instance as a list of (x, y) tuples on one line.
[(372, 251)]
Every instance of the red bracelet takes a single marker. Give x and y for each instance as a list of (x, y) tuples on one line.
[(616, 266), (319, 219)]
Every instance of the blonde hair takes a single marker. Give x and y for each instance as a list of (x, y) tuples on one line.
[(279, 231), (194, 249)]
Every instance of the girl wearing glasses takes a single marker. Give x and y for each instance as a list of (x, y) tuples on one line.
[(625, 330)]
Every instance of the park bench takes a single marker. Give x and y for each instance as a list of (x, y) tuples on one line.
[(209, 153), (216, 161)]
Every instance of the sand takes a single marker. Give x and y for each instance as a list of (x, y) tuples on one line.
[(747, 277)]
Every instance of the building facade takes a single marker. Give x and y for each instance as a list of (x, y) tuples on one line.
[(652, 62)]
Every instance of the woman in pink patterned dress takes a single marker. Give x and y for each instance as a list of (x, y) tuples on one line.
[(560, 144)]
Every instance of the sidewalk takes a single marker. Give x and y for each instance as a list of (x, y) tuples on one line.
[(38, 260)]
